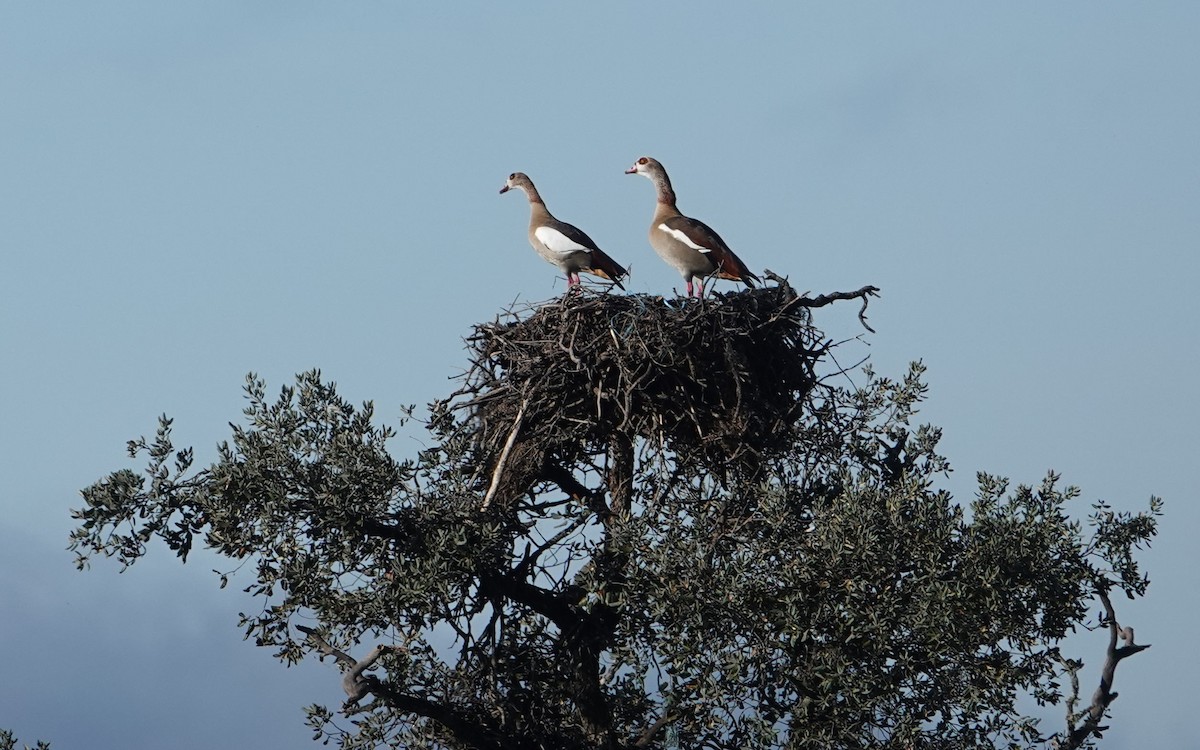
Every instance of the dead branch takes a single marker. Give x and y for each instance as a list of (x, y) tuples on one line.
[(356, 684), (1090, 725), (821, 300), (468, 727), (508, 444), (647, 736)]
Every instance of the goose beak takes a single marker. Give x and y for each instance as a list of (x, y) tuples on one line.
[(504, 189)]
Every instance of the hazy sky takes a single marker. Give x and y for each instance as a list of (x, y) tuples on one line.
[(191, 191)]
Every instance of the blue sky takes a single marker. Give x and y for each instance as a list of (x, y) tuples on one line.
[(191, 191)]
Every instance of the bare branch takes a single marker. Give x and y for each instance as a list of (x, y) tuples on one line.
[(508, 444), (357, 686), (824, 299), (1104, 695), (647, 735), (354, 682)]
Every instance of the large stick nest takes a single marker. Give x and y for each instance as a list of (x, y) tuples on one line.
[(718, 383)]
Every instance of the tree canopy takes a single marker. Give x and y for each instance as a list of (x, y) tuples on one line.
[(642, 523)]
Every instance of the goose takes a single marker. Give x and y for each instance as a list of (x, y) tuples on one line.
[(560, 243), (689, 245)]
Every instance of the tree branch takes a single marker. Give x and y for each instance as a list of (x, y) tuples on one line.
[(825, 299), (354, 682), (573, 487), (532, 555), (1104, 694), (647, 735), (544, 602), (358, 686)]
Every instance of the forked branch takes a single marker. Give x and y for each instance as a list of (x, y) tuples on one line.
[(1089, 721), (466, 727), (356, 684), (821, 300)]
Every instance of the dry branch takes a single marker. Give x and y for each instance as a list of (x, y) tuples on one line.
[(508, 444), (471, 729), (1090, 725), (356, 684)]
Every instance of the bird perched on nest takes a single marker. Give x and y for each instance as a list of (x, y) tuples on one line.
[(560, 243), (687, 244)]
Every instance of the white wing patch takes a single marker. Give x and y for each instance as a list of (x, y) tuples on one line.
[(684, 238), (557, 242)]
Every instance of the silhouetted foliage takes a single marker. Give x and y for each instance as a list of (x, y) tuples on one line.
[(8, 741), (642, 523)]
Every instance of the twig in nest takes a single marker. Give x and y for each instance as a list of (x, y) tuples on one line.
[(508, 444), (770, 275)]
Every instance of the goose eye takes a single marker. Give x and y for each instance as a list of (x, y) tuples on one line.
[(642, 160), (512, 176)]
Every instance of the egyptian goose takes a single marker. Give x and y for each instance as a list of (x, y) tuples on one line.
[(690, 245), (560, 243)]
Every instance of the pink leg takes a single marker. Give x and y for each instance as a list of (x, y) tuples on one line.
[(689, 286), (700, 289)]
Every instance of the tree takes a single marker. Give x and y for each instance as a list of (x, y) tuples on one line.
[(645, 524), (8, 741)]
